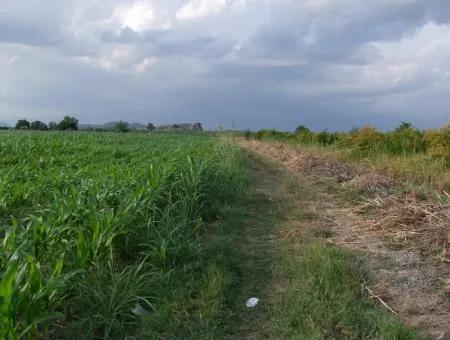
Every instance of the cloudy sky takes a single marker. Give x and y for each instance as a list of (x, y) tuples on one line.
[(244, 63)]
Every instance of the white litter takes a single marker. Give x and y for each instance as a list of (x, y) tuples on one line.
[(251, 303), (138, 310)]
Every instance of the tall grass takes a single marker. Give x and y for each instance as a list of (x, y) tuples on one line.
[(421, 157), (101, 235)]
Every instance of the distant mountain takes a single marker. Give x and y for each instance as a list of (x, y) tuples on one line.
[(137, 126), (110, 125), (4, 124), (89, 126)]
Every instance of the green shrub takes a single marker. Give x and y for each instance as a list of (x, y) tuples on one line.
[(438, 143), (404, 141), (367, 139)]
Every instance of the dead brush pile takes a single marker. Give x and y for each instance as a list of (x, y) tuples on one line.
[(372, 184), (409, 221), (330, 168), (325, 166), (313, 165)]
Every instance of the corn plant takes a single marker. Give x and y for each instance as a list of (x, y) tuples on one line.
[(93, 225)]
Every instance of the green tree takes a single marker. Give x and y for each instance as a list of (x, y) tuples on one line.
[(68, 123), (121, 126), (405, 139), (22, 124), (404, 126), (53, 126), (150, 127), (247, 134), (323, 137), (38, 125), (302, 128), (367, 139), (354, 130)]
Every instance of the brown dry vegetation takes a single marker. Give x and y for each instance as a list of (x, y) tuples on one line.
[(403, 235), (420, 156)]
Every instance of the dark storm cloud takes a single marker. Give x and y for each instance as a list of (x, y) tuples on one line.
[(17, 32), (33, 22), (338, 33), (247, 63)]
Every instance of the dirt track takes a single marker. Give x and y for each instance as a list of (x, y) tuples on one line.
[(401, 274)]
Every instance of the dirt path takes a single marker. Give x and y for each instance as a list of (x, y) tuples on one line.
[(404, 279), (302, 283), (257, 247)]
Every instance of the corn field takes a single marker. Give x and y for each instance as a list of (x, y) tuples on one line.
[(102, 231)]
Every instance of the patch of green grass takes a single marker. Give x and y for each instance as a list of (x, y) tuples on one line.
[(324, 298), (322, 232)]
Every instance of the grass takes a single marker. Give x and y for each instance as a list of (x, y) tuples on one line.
[(418, 170), (106, 235), (256, 216), (324, 299), (314, 289)]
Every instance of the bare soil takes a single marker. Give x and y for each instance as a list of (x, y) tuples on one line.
[(402, 240)]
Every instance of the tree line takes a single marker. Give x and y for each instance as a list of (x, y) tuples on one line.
[(122, 126), (67, 123)]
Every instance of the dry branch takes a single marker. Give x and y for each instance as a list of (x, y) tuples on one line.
[(366, 287)]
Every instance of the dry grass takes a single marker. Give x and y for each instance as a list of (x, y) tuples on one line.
[(371, 183), (307, 161), (392, 206), (400, 230), (419, 171), (409, 220)]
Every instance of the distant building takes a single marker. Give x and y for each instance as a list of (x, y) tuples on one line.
[(194, 127)]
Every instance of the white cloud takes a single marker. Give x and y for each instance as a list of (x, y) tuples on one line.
[(120, 60), (145, 65), (204, 8), (424, 55), (4, 92), (13, 59), (140, 16), (201, 8)]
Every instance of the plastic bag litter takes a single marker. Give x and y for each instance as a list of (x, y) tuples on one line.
[(251, 303), (138, 310)]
